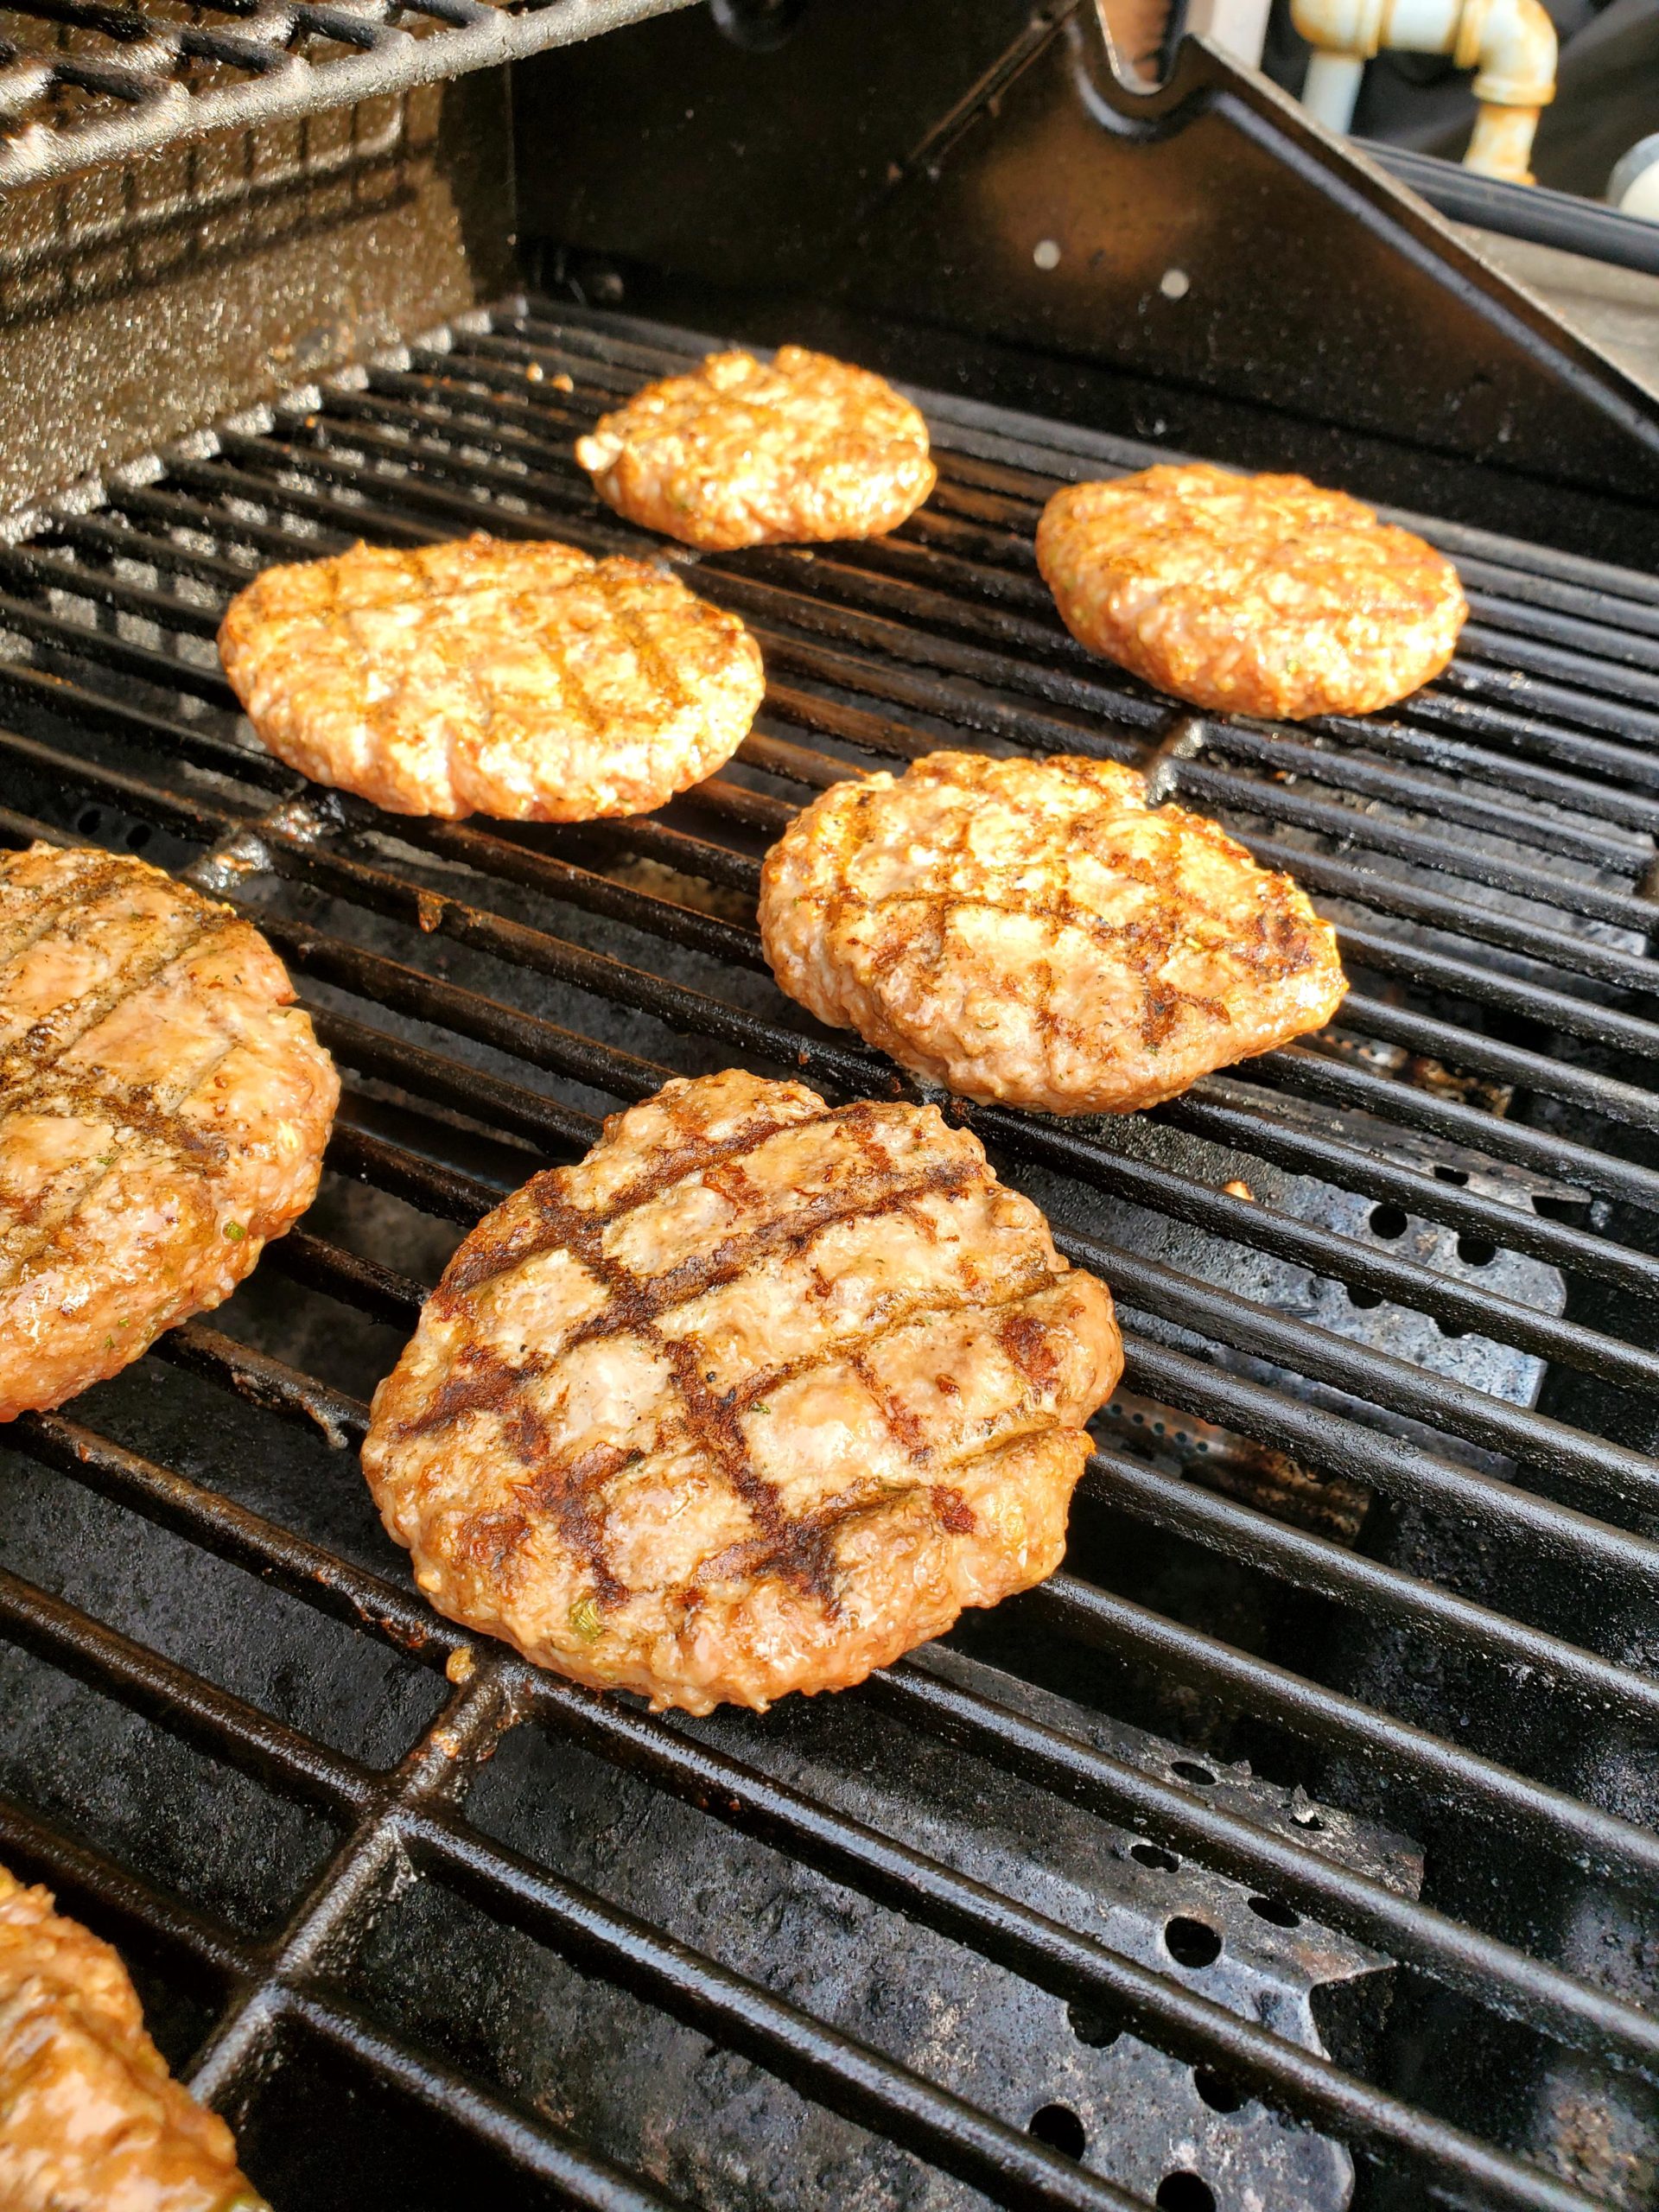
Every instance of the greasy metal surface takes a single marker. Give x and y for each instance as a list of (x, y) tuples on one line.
[(136, 301), (83, 85), (1395, 1285), (1207, 233)]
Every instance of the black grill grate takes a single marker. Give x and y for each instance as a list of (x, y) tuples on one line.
[(1432, 1310), (84, 82)]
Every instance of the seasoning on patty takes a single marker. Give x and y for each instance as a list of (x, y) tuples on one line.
[(755, 1398), (741, 452), (164, 1109), (1249, 594), (89, 2119), (526, 681), (1032, 931)]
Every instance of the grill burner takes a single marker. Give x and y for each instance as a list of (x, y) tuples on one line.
[(1374, 1513)]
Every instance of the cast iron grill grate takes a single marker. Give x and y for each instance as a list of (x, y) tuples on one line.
[(1388, 1296), (84, 82)]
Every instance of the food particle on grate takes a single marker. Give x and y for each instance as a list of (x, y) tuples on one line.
[(526, 681), (800, 449), (90, 2117), (755, 1398), (163, 1110), (1033, 932), (1249, 594)]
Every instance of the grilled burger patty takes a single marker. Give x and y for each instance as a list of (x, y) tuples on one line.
[(753, 1399), (163, 1108), (1249, 594), (530, 682), (1032, 931), (89, 2119), (743, 452)]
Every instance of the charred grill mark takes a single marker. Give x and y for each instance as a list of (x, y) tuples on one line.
[(955, 1514), (44, 913), (488, 1542), (933, 1307), (906, 1431), (476, 1266), (1145, 944), (802, 1552), (1027, 1342), (481, 1381), (561, 1487), (568, 1489), (33, 1074), (612, 589), (697, 1153), (28, 1066)]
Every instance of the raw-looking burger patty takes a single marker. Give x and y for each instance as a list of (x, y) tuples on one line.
[(530, 682), (89, 2119), (1250, 594), (754, 1399), (752, 453), (163, 1108), (1032, 931)]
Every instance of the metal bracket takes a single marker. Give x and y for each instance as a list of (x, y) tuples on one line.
[(1207, 233)]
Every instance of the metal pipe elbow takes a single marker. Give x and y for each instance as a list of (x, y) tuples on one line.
[(1511, 45)]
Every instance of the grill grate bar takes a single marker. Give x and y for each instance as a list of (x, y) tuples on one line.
[(870, 654), (554, 342), (1011, 2169), (211, 1719), (1460, 1410), (1042, 1950), (1513, 1803), (1321, 1074), (535, 2148), (320, 1580), (151, 95), (838, 2072), (1477, 1780)]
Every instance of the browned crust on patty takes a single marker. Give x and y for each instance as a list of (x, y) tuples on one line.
[(755, 1398), (522, 680), (1032, 932), (1250, 594), (89, 2119), (163, 1110), (799, 449)]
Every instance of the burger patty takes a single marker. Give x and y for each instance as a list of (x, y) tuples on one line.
[(164, 1109), (755, 1398), (89, 2119), (1032, 931), (744, 452), (1249, 594), (529, 682)]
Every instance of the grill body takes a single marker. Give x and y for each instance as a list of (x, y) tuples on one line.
[(1297, 1840)]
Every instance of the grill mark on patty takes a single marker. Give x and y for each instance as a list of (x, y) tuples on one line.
[(656, 664), (28, 1066), (1144, 944), (33, 1077), (799, 1548), (43, 914), (471, 1271)]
